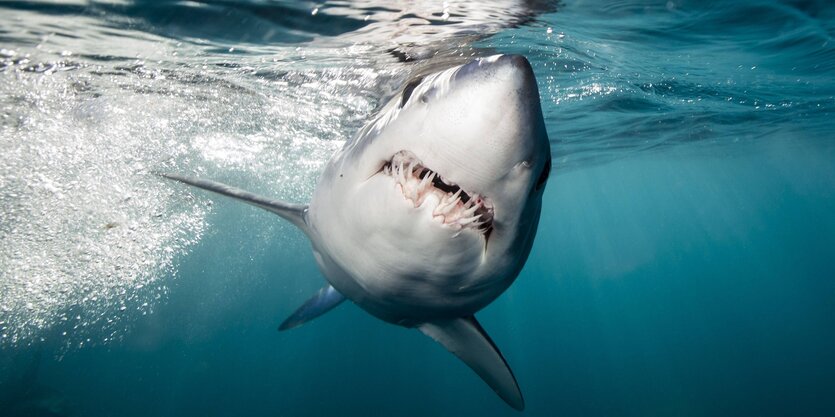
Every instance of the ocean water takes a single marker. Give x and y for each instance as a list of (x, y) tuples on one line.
[(684, 264)]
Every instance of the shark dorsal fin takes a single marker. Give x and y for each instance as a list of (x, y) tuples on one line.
[(465, 338), (295, 213)]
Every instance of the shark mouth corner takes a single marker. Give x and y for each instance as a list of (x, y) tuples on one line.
[(457, 208)]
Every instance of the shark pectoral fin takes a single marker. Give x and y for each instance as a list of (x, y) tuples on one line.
[(325, 300), (295, 213), (466, 339)]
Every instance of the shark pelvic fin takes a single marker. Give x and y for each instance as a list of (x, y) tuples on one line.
[(323, 301), (465, 338), (295, 213)]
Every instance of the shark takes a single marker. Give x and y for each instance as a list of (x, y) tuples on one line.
[(429, 213)]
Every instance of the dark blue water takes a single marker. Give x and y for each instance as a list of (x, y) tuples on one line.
[(684, 265)]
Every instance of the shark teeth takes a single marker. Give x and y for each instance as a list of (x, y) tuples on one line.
[(456, 208)]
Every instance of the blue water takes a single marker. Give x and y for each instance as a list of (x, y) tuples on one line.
[(684, 264)]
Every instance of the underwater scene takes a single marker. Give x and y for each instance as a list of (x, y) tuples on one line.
[(679, 157)]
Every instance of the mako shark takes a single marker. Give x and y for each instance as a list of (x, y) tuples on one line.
[(430, 212)]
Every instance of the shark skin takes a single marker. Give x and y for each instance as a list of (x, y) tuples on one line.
[(430, 212)]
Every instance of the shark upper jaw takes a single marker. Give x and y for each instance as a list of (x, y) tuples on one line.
[(451, 206)]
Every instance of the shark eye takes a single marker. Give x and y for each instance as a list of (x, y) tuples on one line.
[(407, 91), (543, 176)]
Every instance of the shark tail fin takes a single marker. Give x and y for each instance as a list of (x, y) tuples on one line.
[(323, 301), (465, 338), (295, 213)]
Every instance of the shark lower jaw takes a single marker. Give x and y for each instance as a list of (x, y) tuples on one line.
[(454, 207)]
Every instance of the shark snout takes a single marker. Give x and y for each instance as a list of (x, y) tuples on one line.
[(518, 62), (499, 68), (485, 122)]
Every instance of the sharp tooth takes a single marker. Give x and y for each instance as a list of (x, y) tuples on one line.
[(426, 181), (451, 205), (439, 210), (452, 201), (457, 193), (445, 208), (468, 220), (470, 211)]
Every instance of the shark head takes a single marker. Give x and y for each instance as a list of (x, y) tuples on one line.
[(440, 195)]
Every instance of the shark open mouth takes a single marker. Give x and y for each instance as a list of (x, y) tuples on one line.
[(457, 209)]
